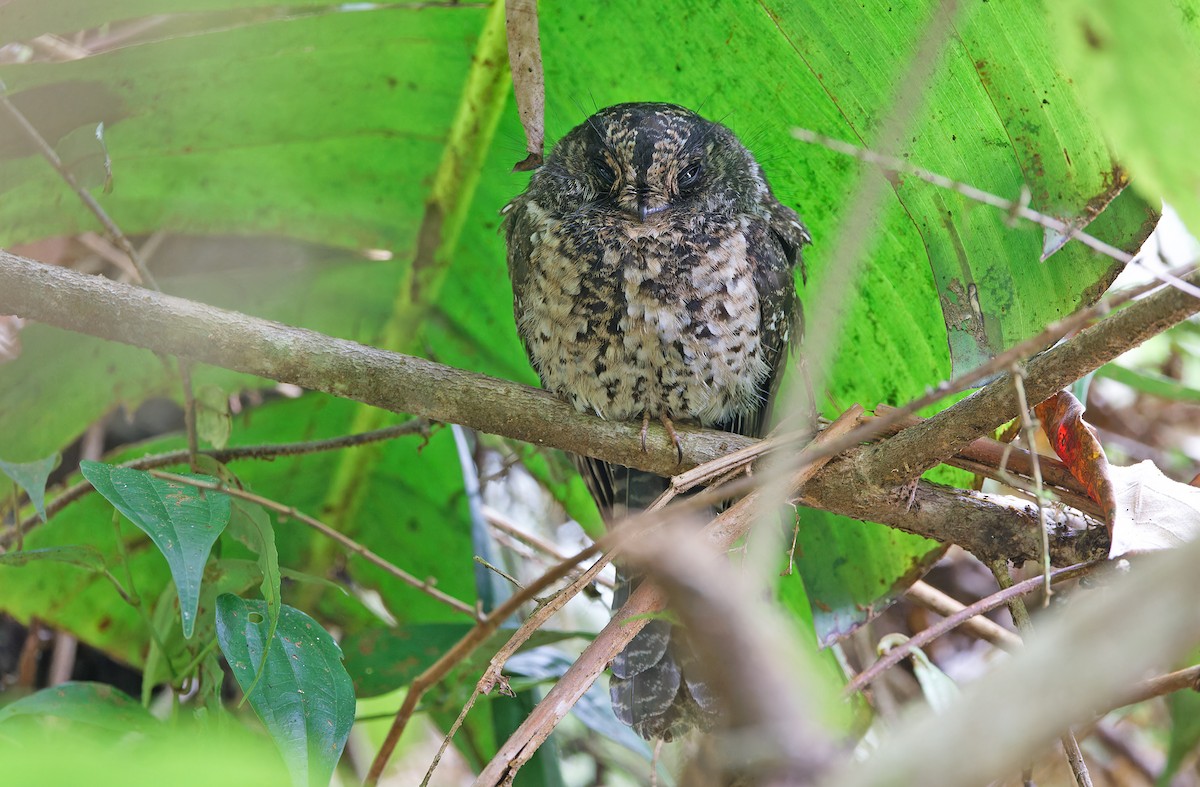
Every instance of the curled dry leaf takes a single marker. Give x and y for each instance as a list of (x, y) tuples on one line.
[(1152, 511), (1079, 449), (525, 61)]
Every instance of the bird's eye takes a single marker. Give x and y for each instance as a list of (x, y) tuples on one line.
[(690, 177), (605, 174)]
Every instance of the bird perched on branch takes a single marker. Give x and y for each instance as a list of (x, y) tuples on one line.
[(653, 278)]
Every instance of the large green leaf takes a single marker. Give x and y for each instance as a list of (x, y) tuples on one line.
[(94, 704), (183, 522), (305, 698), (225, 149), (1148, 111)]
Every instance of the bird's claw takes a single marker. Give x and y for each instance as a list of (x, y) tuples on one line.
[(670, 427)]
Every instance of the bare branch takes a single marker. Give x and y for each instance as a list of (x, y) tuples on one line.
[(982, 524)]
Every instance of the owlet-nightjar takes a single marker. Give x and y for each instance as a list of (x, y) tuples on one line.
[(653, 278)]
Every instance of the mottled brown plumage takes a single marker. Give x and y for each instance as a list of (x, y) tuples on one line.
[(652, 272)]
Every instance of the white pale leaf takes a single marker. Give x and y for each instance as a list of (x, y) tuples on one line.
[(1153, 511)]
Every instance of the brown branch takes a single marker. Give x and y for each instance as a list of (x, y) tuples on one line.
[(915, 450), (392, 381), (406, 384), (935, 600), (923, 638), (985, 457), (1179, 680)]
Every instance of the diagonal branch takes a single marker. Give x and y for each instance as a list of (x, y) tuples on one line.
[(915, 450)]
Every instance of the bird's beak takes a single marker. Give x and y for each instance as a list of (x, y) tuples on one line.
[(645, 210)]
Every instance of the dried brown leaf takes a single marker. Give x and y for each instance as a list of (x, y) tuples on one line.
[(1079, 449)]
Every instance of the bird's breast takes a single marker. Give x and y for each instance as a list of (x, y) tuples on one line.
[(646, 320)]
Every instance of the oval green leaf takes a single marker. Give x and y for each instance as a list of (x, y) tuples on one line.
[(305, 697)]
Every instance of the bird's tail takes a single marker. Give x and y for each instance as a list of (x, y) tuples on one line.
[(655, 686)]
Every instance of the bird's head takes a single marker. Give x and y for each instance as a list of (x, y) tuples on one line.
[(645, 161)]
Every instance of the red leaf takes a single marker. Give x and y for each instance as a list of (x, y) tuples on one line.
[(1076, 445)]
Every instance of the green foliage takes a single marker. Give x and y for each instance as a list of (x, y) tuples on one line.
[(91, 704), (184, 757), (303, 696), (275, 146), (183, 522), (383, 660), (31, 477), (1138, 65)]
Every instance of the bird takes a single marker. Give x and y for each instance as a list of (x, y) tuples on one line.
[(654, 277)]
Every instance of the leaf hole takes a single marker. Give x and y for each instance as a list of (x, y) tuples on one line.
[(256, 617)]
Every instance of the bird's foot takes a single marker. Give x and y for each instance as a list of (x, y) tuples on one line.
[(645, 426)]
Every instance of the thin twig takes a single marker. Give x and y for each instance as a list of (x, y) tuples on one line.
[(498, 571), (1020, 615), (891, 164), (325, 530), (505, 525), (1180, 680), (1029, 428), (931, 598), (450, 733), (923, 638), (84, 195), (263, 451), (461, 650)]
